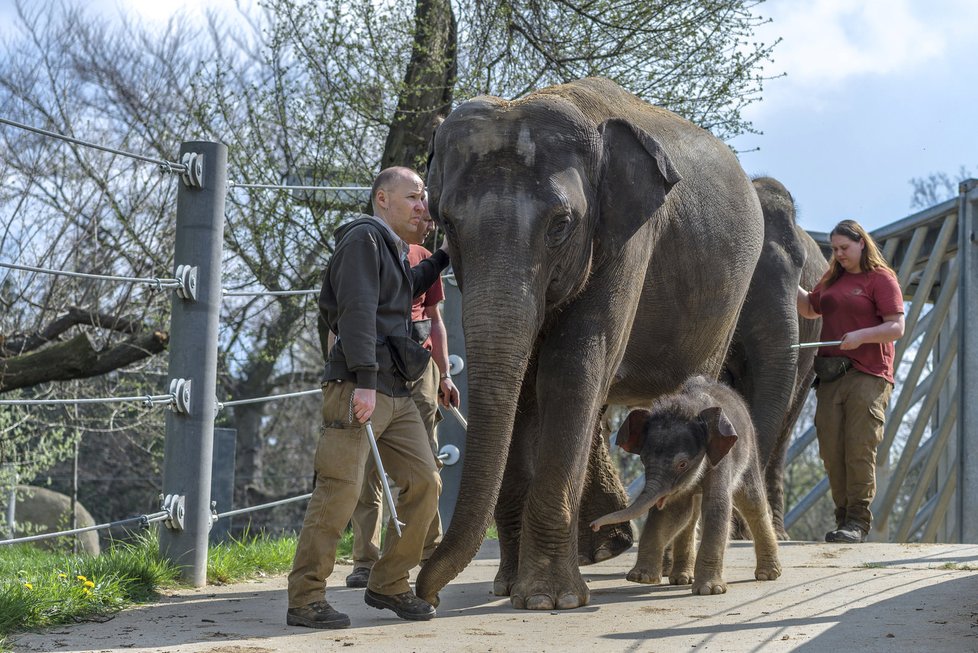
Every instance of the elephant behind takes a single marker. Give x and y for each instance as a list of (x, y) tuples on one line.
[(603, 248), (772, 377)]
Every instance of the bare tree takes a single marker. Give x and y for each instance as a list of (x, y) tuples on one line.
[(936, 187)]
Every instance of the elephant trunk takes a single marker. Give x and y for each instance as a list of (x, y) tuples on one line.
[(652, 495), (498, 346)]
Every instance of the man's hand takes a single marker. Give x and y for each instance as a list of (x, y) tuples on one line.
[(444, 242), (448, 393), (364, 402)]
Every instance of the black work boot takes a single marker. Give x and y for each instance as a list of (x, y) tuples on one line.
[(406, 605), (317, 615), (358, 578), (850, 533)]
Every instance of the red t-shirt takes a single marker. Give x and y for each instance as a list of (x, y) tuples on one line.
[(859, 301), (430, 297)]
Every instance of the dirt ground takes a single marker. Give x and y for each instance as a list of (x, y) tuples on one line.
[(867, 597)]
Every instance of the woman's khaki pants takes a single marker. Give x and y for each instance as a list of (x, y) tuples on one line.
[(849, 423)]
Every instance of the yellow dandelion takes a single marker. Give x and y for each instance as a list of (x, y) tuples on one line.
[(62, 576), (81, 578), (28, 586), (86, 591), (88, 583)]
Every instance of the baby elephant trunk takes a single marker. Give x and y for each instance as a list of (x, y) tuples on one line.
[(642, 504)]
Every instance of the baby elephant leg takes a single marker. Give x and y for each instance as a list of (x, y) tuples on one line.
[(684, 546), (652, 546), (751, 501), (717, 509)]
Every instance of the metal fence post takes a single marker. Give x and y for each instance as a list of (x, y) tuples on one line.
[(193, 358), (449, 430), (968, 361)]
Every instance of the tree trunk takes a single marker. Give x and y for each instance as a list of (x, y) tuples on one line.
[(426, 96)]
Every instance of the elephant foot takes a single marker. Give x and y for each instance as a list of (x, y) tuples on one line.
[(554, 590), (644, 575), (684, 577), (710, 586), (610, 541), (767, 570), (503, 583)]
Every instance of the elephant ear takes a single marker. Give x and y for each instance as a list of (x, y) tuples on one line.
[(631, 433), (721, 434), (636, 177)]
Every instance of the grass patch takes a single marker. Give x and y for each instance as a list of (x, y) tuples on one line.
[(44, 588), (248, 557), (41, 588), (959, 566)]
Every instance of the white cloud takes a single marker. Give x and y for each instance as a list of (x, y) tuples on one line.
[(831, 41)]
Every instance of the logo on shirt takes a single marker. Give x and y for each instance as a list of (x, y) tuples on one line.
[(856, 291)]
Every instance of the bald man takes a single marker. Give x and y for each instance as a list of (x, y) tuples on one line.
[(366, 300)]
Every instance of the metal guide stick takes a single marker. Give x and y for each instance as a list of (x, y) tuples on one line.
[(461, 420), (383, 478), (827, 343)]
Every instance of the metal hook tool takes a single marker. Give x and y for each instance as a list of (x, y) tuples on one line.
[(383, 478), (806, 345)]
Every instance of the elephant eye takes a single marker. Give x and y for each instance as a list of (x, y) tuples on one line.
[(682, 465), (559, 229)]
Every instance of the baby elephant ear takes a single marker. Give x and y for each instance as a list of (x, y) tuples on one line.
[(631, 433), (721, 434)]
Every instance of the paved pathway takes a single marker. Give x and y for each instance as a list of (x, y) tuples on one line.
[(831, 598)]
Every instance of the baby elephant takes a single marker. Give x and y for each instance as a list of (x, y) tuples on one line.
[(697, 444)]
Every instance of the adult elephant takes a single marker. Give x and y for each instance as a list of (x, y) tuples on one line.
[(577, 215), (772, 377)]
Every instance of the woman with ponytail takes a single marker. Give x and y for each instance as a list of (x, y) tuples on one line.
[(861, 305)]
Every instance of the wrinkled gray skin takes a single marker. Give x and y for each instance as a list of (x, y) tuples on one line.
[(697, 445), (772, 377), (573, 213)]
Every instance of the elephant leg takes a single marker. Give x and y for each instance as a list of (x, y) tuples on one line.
[(548, 575), (717, 509), (512, 494), (751, 502), (660, 528), (774, 482), (603, 494), (683, 551)]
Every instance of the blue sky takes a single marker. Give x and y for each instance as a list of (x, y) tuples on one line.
[(877, 92)]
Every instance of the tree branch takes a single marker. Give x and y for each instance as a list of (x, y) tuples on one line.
[(21, 344), (77, 359)]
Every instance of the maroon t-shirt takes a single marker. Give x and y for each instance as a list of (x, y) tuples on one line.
[(859, 301), (430, 297)]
